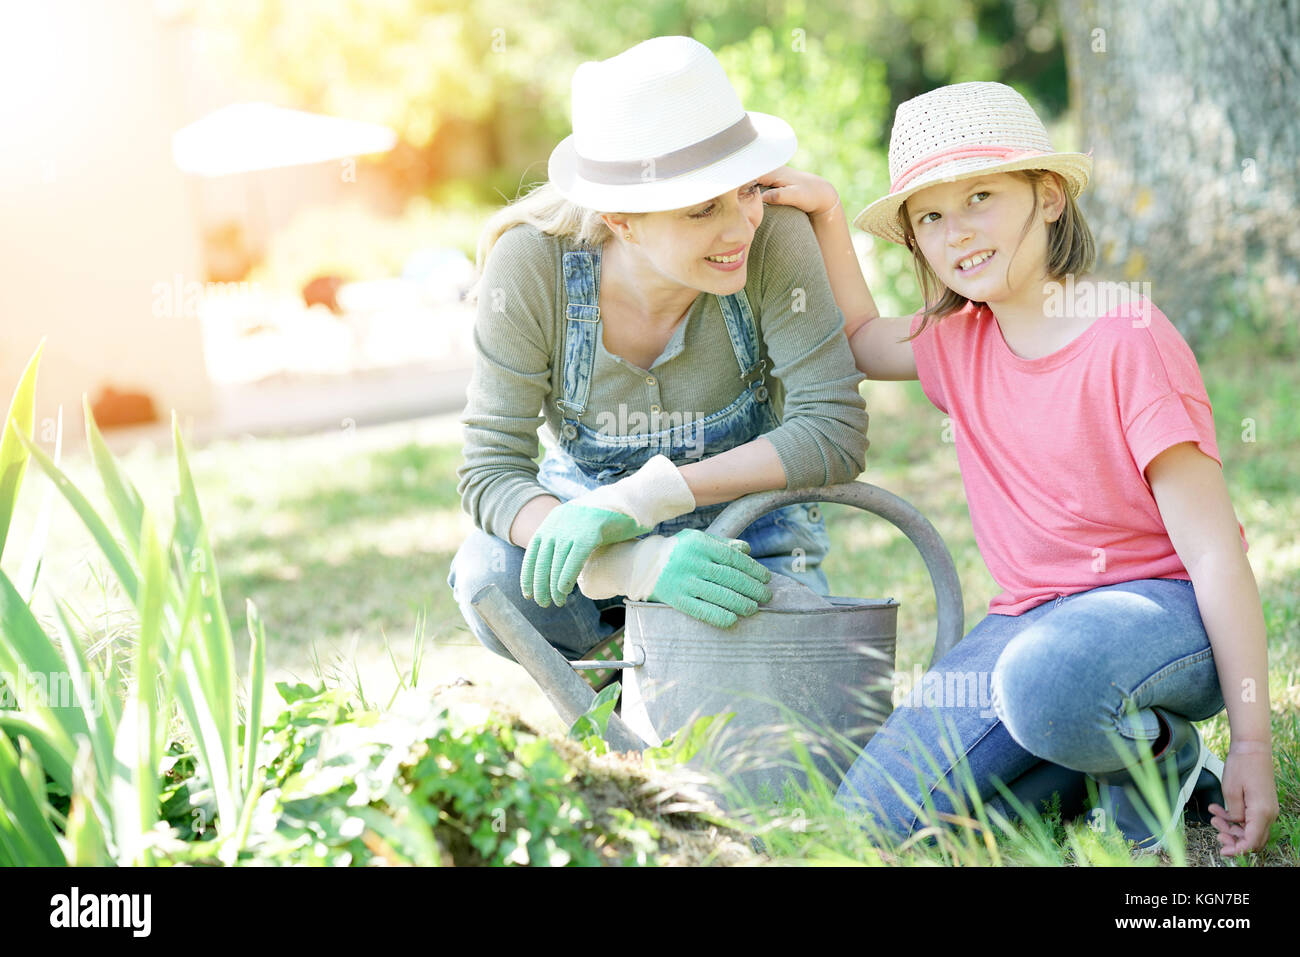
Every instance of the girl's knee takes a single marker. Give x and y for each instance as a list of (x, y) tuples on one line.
[(1035, 691), (1049, 700)]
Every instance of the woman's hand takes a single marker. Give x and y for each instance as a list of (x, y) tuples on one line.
[(710, 578), (562, 544), (1251, 793), (806, 191), (604, 516)]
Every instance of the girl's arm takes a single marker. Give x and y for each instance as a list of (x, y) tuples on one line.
[(1193, 500), (875, 341)]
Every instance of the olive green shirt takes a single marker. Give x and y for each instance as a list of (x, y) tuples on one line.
[(518, 372)]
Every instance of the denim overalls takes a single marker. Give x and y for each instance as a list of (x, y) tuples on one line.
[(791, 540)]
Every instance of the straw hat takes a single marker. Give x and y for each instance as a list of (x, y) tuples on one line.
[(959, 131), (660, 127)]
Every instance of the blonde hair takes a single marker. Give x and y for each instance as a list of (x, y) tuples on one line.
[(1070, 250), (544, 208)]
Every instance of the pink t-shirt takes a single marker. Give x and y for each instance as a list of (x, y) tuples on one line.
[(1052, 450)]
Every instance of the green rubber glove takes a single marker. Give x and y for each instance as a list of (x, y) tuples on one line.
[(606, 515), (563, 543), (712, 579)]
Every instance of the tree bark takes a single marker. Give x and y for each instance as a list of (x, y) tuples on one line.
[(1192, 113)]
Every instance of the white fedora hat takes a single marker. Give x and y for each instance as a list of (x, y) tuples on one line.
[(960, 131), (660, 127)]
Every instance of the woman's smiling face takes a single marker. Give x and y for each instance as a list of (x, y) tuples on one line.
[(705, 246), (973, 232)]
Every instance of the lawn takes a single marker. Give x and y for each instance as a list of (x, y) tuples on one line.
[(343, 541)]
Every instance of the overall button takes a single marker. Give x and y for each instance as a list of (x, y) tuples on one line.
[(570, 432), (761, 393), (814, 513)]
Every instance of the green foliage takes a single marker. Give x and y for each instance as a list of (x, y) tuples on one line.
[(681, 747), (590, 726), (102, 752), (501, 69), (422, 783), (508, 798), (480, 93), (13, 459)]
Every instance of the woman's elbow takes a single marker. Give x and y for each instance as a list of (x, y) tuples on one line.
[(852, 462)]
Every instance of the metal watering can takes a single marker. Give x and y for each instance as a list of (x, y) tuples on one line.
[(825, 664)]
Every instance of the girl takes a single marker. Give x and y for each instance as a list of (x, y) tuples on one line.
[(1087, 451), (683, 348)]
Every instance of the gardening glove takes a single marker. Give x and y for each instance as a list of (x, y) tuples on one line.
[(612, 513), (710, 578)]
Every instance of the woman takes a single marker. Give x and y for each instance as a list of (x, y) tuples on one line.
[(664, 404)]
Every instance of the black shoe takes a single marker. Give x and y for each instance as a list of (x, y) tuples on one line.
[(1036, 786), (1186, 758)]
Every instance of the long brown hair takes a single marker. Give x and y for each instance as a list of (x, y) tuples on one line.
[(1070, 250)]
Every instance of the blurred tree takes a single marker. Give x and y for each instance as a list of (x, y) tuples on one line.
[(1190, 109), (479, 92), (497, 72)]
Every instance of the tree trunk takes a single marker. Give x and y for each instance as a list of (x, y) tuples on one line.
[(1192, 113)]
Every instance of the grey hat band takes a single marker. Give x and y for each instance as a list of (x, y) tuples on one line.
[(653, 168)]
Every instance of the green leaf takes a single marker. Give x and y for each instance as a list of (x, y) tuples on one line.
[(212, 668), (595, 719), (27, 654), (686, 743), (256, 683), (13, 456), (30, 569), (298, 691), (117, 558), (137, 746), (26, 837), (90, 698), (86, 836), (122, 495)]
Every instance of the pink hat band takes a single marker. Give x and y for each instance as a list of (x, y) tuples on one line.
[(956, 153)]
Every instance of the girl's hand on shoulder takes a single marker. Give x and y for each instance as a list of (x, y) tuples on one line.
[(1251, 793), (802, 190)]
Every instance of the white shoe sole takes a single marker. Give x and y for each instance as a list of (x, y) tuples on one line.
[(1208, 759)]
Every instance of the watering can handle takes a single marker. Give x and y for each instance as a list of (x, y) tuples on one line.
[(743, 512)]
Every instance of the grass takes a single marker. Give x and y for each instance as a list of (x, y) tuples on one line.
[(343, 540)]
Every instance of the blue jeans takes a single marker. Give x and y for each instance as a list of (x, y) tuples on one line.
[(1047, 685)]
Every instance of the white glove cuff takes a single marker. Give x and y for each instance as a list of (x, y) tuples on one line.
[(653, 494), (627, 568)]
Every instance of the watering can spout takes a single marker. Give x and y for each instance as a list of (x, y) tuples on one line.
[(568, 693)]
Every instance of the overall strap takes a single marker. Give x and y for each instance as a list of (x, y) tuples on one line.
[(743, 332), (582, 326)]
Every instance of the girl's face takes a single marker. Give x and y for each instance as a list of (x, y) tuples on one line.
[(970, 233), (705, 246)]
